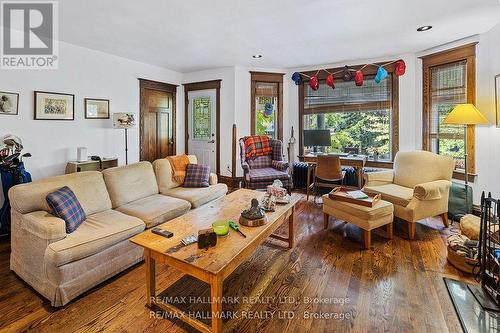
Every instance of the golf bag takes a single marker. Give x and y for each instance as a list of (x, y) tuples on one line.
[(10, 176)]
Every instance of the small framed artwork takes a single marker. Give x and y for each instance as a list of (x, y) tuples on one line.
[(9, 103), (497, 98), (96, 108), (54, 106)]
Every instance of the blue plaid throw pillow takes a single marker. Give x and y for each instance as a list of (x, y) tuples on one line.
[(66, 206), (197, 175)]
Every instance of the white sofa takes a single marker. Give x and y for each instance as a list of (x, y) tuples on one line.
[(119, 203)]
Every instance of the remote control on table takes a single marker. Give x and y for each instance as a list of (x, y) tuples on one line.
[(162, 232)]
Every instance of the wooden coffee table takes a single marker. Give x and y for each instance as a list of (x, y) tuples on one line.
[(217, 263)]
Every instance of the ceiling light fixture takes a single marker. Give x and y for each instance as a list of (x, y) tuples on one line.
[(257, 56), (424, 28)]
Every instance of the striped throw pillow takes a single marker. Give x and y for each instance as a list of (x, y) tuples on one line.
[(66, 206), (197, 175)]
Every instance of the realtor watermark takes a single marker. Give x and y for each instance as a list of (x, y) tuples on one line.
[(29, 32)]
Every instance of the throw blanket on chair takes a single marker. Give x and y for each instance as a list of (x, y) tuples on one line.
[(179, 165), (257, 146)]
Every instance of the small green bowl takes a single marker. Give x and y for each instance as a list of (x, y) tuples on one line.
[(221, 228)]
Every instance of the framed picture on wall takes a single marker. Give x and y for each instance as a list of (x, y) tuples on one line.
[(497, 98), (96, 108), (9, 103), (54, 106)]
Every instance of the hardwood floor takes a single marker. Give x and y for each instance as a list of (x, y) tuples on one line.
[(396, 286)]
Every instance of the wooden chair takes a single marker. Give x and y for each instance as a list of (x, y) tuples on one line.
[(328, 173)]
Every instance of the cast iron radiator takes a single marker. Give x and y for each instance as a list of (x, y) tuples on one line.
[(300, 175)]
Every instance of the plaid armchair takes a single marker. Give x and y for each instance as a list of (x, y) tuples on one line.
[(261, 171)]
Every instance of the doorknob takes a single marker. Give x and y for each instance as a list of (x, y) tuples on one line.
[(171, 142), (212, 141)]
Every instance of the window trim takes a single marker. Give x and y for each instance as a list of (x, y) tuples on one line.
[(368, 71), (462, 53), (269, 78)]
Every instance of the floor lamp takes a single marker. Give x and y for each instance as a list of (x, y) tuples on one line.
[(124, 121), (465, 114)]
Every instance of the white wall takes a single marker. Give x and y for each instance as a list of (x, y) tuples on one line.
[(487, 136), (84, 73), (235, 107), (89, 73)]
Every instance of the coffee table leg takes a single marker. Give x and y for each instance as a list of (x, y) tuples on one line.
[(367, 236), (325, 220), (216, 298), (291, 234), (150, 278)]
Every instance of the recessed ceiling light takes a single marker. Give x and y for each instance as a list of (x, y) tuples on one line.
[(424, 28), (257, 56)]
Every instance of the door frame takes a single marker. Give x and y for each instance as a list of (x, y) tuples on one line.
[(161, 86), (204, 85)]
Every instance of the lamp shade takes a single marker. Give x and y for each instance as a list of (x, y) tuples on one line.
[(123, 120), (465, 114)]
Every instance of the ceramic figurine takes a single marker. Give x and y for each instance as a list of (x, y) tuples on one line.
[(277, 190), (253, 216), (255, 212), (269, 202)]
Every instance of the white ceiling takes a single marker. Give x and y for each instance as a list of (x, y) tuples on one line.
[(190, 35)]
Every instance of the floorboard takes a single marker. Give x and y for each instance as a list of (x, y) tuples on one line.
[(395, 286)]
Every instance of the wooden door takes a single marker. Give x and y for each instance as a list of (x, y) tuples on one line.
[(157, 121)]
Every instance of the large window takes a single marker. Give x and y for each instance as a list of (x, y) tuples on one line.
[(449, 79), (362, 120), (267, 104)]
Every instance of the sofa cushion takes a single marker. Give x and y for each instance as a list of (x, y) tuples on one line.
[(163, 172), (130, 183), (98, 232), (198, 196), (260, 162), (267, 174), (88, 187), (156, 209), (398, 195), (66, 206), (197, 176)]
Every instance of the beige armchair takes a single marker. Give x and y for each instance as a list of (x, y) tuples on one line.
[(418, 186)]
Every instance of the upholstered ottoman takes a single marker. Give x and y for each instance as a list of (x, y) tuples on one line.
[(366, 218)]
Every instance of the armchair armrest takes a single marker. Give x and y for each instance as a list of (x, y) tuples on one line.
[(245, 166), (44, 225), (212, 179), (280, 165), (432, 190), (379, 177)]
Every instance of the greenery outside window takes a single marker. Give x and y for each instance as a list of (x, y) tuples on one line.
[(362, 120)]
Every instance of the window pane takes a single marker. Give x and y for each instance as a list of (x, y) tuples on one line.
[(201, 118), (359, 118), (448, 88), (364, 132), (266, 109)]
